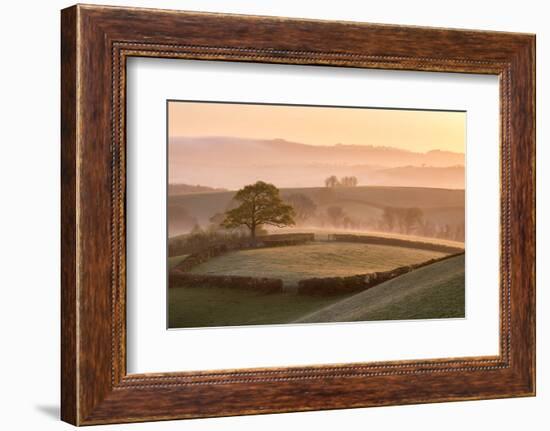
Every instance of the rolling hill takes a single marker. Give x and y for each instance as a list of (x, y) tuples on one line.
[(230, 162), (366, 202), (281, 151), (434, 291), (187, 189)]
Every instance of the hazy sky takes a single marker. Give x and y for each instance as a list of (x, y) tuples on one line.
[(418, 131)]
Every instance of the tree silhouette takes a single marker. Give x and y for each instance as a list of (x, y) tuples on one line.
[(335, 214), (349, 181), (407, 219), (412, 218), (389, 218), (260, 204), (332, 181), (304, 207)]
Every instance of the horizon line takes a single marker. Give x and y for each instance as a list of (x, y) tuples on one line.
[(338, 144), (224, 190)]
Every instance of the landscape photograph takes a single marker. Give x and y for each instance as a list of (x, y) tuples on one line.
[(299, 214)]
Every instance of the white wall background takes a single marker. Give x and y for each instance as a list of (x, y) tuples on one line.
[(29, 226)]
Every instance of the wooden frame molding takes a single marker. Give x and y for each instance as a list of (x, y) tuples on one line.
[(95, 42)]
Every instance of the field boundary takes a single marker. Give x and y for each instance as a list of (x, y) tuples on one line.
[(215, 250), (359, 282), (262, 284), (397, 242), (279, 240)]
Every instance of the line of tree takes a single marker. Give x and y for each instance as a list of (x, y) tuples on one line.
[(456, 232), (411, 220), (259, 205), (334, 181), (304, 207), (404, 220)]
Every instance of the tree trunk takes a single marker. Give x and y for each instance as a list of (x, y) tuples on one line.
[(253, 235)]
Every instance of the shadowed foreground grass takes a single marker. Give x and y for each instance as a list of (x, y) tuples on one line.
[(434, 291), (214, 306)]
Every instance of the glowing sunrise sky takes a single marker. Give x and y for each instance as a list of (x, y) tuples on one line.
[(418, 131)]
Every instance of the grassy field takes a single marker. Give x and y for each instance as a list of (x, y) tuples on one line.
[(324, 259), (213, 306), (435, 291), (174, 260), (323, 234)]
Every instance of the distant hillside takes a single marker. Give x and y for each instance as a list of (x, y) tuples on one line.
[(187, 189), (434, 291), (420, 176), (438, 205), (230, 162)]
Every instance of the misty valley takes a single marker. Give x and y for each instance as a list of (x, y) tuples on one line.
[(355, 215), (339, 252)]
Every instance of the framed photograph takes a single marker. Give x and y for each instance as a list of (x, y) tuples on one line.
[(265, 230), (264, 215)]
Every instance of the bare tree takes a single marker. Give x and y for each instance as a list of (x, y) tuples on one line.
[(389, 218), (412, 219), (304, 207), (348, 222), (335, 214)]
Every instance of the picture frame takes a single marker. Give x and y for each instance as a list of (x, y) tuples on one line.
[(96, 42)]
